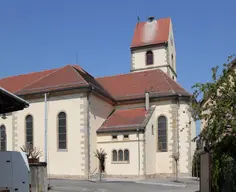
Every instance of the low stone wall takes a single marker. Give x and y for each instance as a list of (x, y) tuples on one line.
[(39, 177)]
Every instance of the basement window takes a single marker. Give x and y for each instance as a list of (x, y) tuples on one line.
[(126, 136), (114, 137)]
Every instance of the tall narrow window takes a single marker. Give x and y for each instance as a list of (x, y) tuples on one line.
[(3, 138), (126, 155), (62, 132), (120, 155), (149, 58), (29, 130), (162, 134), (114, 155)]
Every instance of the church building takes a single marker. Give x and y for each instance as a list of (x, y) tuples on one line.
[(141, 119)]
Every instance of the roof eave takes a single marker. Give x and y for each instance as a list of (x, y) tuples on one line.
[(53, 91), (166, 95), (142, 46), (138, 128)]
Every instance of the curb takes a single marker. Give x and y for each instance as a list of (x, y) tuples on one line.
[(161, 184), (140, 182), (107, 181)]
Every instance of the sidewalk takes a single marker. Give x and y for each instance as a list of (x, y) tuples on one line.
[(183, 182)]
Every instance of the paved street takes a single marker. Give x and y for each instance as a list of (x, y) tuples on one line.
[(86, 186)]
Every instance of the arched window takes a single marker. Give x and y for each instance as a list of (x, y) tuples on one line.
[(126, 155), (114, 155), (120, 155), (62, 132), (3, 138), (29, 130), (162, 134), (149, 58)]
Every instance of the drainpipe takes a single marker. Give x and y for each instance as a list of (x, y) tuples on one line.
[(147, 101), (88, 132), (138, 153), (45, 126), (147, 106)]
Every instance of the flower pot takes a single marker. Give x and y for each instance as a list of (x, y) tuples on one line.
[(33, 160)]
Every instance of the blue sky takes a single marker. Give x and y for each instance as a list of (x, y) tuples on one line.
[(38, 35)]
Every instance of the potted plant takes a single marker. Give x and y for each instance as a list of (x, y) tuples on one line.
[(101, 156), (32, 153)]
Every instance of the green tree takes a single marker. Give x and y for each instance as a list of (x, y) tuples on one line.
[(215, 104)]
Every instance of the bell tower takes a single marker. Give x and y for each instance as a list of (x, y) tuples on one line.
[(153, 47)]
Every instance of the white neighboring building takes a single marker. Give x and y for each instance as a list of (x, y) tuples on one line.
[(141, 119)]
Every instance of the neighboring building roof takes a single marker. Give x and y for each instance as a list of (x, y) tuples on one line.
[(119, 87), (11, 102), (134, 85), (149, 33), (126, 120)]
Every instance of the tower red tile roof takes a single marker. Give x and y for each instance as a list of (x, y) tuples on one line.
[(160, 30)]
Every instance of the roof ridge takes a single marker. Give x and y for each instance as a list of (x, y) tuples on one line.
[(164, 75), (130, 73), (168, 78), (41, 78), (75, 70), (131, 108), (30, 73)]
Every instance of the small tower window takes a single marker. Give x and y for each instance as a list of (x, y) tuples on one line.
[(149, 58)]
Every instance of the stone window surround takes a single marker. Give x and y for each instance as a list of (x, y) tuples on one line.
[(58, 149), (162, 151), (123, 157), (32, 119)]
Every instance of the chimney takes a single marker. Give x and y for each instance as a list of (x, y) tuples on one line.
[(147, 101), (150, 19)]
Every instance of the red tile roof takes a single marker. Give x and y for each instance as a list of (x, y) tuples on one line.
[(134, 85), (124, 119), (61, 78), (70, 76), (120, 87), (15, 83), (160, 36)]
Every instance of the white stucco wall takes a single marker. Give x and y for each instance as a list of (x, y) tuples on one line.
[(99, 111), (184, 143), (71, 157), (8, 125), (156, 162), (139, 57), (151, 145), (187, 131), (123, 169), (163, 159)]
